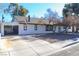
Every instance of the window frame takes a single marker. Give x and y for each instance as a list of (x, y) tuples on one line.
[(49, 28), (35, 27), (25, 27)]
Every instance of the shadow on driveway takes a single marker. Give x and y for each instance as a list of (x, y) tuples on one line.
[(57, 37), (51, 38)]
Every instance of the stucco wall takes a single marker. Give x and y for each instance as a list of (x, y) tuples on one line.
[(30, 29)]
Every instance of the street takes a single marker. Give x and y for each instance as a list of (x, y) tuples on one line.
[(69, 51)]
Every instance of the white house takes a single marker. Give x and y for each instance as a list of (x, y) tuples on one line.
[(25, 25)]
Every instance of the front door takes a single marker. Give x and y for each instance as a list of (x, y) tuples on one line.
[(15, 29)]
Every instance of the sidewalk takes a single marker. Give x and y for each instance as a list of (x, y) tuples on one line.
[(32, 46)]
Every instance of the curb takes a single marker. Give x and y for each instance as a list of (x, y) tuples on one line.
[(59, 50)]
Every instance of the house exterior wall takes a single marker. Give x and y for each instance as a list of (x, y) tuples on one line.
[(58, 29), (31, 30), (62, 28)]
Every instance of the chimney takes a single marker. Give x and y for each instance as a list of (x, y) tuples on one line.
[(28, 18)]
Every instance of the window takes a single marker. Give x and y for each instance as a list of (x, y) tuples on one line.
[(35, 27), (65, 27), (49, 28), (25, 27)]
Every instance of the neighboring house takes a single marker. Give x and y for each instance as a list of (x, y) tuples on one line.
[(25, 25)]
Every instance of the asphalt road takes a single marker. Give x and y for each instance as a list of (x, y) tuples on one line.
[(69, 51)]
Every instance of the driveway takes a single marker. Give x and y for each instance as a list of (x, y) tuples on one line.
[(37, 45), (27, 46)]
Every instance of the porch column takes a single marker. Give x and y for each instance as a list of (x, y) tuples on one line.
[(73, 28), (57, 29), (54, 28), (2, 29)]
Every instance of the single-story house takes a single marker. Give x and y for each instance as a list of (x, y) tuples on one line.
[(26, 25)]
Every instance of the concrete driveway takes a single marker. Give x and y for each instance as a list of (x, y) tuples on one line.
[(35, 45), (27, 46)]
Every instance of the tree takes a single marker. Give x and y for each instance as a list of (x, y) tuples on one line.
[(71, 7), (70, 13), (51, 16), (16, 10)]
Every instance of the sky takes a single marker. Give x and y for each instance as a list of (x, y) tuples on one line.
[(35, 9)]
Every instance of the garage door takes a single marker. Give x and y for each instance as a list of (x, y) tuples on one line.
[(10, 30)]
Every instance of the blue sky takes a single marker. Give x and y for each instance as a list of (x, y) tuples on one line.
[(35, 9)]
